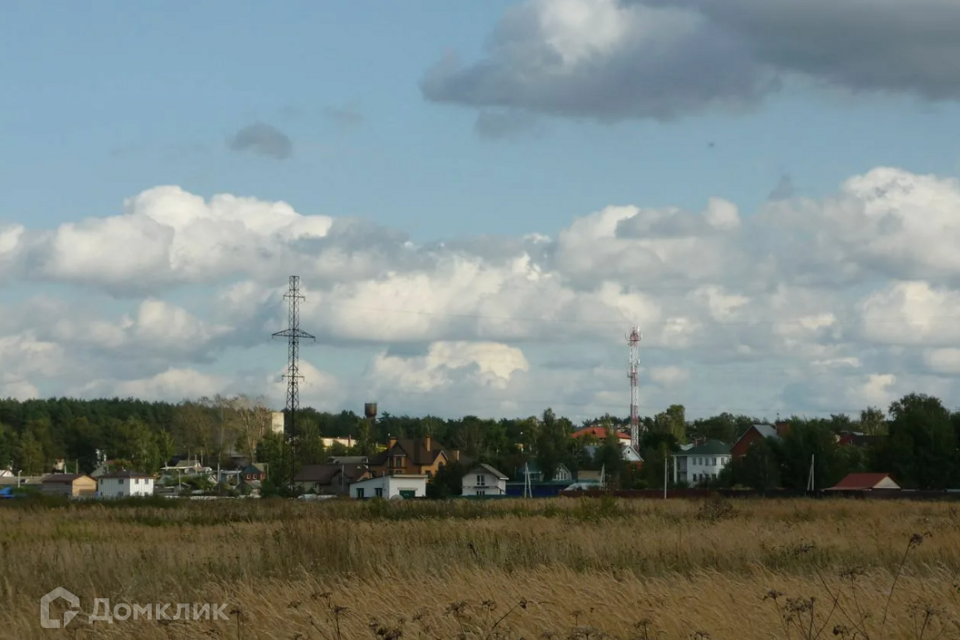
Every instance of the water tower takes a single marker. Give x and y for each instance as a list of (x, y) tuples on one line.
[(370, 411)]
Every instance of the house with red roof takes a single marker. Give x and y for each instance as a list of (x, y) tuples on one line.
[(865, 482), (599, 432)]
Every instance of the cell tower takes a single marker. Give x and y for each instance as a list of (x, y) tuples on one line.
[(293, 334), (633, 341)]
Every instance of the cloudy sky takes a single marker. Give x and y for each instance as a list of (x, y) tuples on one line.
[(481, 198)]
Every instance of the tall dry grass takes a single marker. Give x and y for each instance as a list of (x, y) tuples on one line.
[(508, 569)]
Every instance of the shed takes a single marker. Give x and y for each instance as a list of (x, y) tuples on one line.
[(72, 485), (865, 482)]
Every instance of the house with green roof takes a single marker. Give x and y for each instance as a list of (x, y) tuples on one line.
[(701, 463)]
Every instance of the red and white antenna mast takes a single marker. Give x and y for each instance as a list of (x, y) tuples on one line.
[(633, 340)]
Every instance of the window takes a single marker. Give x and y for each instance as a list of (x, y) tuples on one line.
[(378, 492), (120, 481), (408, 493), (481, 492), (360, 492), (481, 480)]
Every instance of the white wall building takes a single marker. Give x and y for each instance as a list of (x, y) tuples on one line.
[(484, 480), (124, 484), (702, 463), (390, 486)]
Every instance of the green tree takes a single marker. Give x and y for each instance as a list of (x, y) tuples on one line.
[(610, 456), (9, 443), (872, 422), (723, 427), (30, 459), (552, 444), (806, 441), (672, 421), (921, 449), (760, 468), (447, 482), (366, 445)]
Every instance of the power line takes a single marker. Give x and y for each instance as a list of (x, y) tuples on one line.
[(806, 319)]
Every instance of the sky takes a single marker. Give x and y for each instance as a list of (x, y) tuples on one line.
[(481, 199)]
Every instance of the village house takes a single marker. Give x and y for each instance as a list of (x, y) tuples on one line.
[(330, 478), (412, 457), (598, 432), (755, 433), (388, 486), (484, 480), (71, 485), (125, 484), (254, 472), (701, 463)]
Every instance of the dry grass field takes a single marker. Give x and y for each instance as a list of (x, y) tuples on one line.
[(591, 568)]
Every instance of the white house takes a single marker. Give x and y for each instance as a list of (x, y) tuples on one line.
[(701, 463), (390, 486), (124, 484), (484, 480)]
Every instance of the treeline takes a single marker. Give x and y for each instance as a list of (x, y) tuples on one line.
[(920, 447), (145, 436)]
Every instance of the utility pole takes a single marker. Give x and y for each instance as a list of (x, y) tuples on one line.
[(666, 464), (293, 334)]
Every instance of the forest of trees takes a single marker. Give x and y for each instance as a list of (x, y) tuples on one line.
[(920, 447)]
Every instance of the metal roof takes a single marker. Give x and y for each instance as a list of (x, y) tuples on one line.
[(708, 448)]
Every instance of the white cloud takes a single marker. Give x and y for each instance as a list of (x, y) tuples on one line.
[(167, 236), (488, 364), (912, 313), (805, 305), (943, 361), (669, 376)]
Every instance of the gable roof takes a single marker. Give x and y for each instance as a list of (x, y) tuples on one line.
[(414, 449), (765, 430), (708, 448), (126, 474), (628, 453), (58, 478), (484, 467), (865, 482), (598, 432), (324, 474)]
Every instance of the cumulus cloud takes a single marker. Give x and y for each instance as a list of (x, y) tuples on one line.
[(262, 139), (618, 59), (817, 305)]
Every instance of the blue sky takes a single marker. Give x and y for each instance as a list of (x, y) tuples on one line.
[(104, 100)]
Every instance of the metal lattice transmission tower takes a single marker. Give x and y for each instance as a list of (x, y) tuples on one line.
[(293, 334), (633, 372)]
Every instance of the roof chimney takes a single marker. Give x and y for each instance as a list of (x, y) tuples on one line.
[(782, 428), (427, 441)]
